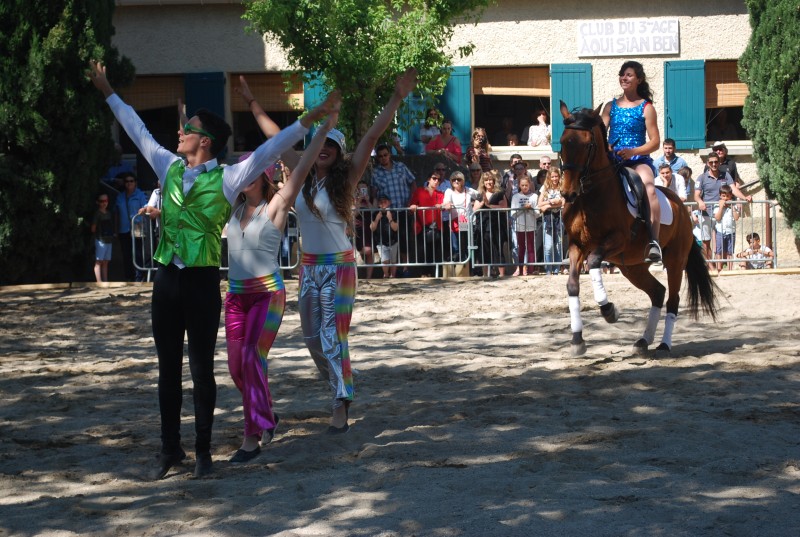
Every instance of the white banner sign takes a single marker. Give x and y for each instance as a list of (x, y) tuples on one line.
[(628, 37)]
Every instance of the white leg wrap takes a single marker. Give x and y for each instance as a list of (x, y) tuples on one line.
[(652, 323), (669, 325), (575, 321), (600, 295)]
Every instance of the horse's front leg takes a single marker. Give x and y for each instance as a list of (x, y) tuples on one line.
[(578, 345), (608, 309)]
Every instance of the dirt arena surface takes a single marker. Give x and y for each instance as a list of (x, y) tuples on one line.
[(470, 419)]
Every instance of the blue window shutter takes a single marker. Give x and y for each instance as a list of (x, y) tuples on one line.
[(571, 83), (685, 103), (313, 94), (456, 103), (205, 90), (409, 123)]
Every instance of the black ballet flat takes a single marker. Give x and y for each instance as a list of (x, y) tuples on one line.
[(338, 430), (244, 456), (269, 434)]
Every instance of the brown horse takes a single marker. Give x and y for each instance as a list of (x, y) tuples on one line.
[(600, 228)]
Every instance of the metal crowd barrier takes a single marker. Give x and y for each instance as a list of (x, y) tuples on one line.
[(150, 235), (483, 241)]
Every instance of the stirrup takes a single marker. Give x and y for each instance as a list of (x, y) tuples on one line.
[(653, 253)]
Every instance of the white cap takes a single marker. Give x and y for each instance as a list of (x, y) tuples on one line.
[(338, 137)]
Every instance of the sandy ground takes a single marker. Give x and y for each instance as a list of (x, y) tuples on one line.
[(471, 418)]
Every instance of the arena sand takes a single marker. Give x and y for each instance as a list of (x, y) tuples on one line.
[(471, 418)]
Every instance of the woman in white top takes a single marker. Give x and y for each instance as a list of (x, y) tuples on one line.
[(328, 269), (458, 198), (256, 296)]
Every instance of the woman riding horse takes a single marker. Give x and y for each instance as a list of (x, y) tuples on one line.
[(600, 228)]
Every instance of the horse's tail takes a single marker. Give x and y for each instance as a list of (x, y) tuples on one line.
[(701, 287)]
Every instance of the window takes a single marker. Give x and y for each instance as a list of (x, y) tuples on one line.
[(725, 95), (507, 98), (703, 102)]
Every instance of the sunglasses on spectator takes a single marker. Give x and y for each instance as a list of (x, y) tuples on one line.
[(191, 129), (713, 162), (130, 180), (456, 180)]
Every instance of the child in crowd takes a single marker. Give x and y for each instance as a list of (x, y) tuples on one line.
[(758, 256), (384, 228), (362, 213), (686, 173), (725, 214), (103, 231), (550, 204), (524, 211)]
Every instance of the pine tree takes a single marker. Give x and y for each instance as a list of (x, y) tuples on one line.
[(771, 70), (55, 139)]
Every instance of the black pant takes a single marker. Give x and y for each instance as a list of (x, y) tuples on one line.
[(186, 301)]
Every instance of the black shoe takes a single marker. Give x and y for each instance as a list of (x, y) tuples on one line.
[(244, 456), (653, 253), (167, 461), (338, 430), (269, 434), (203, 466)]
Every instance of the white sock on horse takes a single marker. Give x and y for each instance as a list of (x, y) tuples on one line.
[(669, 325), (652, 323), (575, 320), (600, 295)]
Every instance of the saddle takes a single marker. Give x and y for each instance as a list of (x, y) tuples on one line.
[(636, 197)]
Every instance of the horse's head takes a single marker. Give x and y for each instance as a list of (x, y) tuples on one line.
[(583, 149)]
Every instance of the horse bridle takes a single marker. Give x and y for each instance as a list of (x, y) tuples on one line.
[(584, 181)]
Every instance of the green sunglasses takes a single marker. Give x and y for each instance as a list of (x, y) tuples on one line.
[(191, 129)]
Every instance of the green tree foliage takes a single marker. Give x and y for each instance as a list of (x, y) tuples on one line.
[(361, 46), (54, 134), (771, 69)]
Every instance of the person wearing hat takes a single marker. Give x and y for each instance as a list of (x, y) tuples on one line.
[(256, 297), (328, 268), (726, 164), (197, 198)]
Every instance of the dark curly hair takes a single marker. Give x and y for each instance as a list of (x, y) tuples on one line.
[(338, 186), (643, 89)]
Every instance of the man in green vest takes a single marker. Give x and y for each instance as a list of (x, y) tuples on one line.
[(197, 195)]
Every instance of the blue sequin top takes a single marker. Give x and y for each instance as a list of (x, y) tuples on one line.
[(627, 128)]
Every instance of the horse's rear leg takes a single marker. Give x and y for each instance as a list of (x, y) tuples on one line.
[(639, 276), (578, 345), (674, 279)]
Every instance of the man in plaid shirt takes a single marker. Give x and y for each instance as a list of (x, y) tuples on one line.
[(394, 180)]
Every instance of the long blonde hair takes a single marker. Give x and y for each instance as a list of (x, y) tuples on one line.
[(491, 175), (548, 186)]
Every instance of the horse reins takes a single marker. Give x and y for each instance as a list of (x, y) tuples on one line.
[(584, 181)]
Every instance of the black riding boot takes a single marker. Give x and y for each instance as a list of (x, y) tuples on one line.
[(652, 252)]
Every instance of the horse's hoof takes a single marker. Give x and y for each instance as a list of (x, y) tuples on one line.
[(610, 312), (579, 349), (640, 346), (663, 347)]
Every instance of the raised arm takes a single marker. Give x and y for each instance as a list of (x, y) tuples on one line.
[(284, 198), (265, 123), (157, 156), (404, 85)]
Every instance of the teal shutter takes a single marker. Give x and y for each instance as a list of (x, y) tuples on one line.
[(571, 83), (410, 118), (456, 103), (314, 93), (685, 103), (205, 90)]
